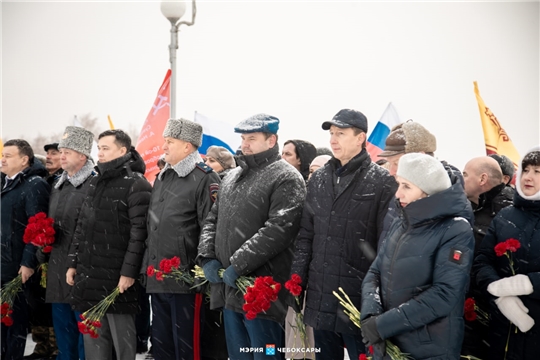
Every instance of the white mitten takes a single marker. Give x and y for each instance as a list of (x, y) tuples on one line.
[(513, 309), (511, 286)]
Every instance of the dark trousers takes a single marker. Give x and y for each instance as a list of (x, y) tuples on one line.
[(142, 320), (176, 326), (68, 338), (257, 333), (331, 345), (14, 336)]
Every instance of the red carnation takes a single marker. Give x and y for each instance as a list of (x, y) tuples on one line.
[(470, 315), (47, 249), (7, 321), (512, 245), (82, 328), (469, 305), (150, 270), (175, 262), (165, 266), (500, 249), (362, 357), (159, 276)]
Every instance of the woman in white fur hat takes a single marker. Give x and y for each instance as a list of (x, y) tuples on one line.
[(514, 287), (414, 292)]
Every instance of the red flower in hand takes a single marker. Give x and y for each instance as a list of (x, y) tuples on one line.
[(150, 270), (500, 249), (512, 245), (159, 276)]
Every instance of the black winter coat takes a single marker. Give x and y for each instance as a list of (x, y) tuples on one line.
[(110, 234), (65, 205), (338, 237), (26, 196), (522, 222), (252, 226), (416, 285), (490, 203), (178, 207)]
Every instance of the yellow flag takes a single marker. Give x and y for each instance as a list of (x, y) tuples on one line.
[(110, 122), (496, 139)]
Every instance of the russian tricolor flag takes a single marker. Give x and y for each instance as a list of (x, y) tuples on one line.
[(377, 138), (217, 133)]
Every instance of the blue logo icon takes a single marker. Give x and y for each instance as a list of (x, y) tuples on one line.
[(270, 349)]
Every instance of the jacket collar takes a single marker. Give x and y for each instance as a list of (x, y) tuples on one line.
[(184, 166), (79, 178), (256, 161)]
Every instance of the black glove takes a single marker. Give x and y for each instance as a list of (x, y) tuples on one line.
[(230, 276), (211, 269), (41, 257), (370, 335), (379, 349)]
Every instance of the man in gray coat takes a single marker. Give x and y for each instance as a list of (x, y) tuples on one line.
[(250, 232)]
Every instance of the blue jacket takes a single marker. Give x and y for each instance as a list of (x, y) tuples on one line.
[(522, 222), (416, 286), (23, 198)]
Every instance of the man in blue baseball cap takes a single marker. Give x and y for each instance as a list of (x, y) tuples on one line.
[(250, 231)]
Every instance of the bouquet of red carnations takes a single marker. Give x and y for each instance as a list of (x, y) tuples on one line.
[(260, 295), (7, 298), (91, 319), (40, 232), (170, 268)]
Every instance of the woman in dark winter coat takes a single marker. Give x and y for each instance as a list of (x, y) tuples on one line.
[(414, 292), (512, 278), (300, 154)]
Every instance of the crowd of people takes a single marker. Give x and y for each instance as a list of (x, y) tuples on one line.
[(409, 238)]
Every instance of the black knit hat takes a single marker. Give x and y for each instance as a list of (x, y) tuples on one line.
[(507, 166)]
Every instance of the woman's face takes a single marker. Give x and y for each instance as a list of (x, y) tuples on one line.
[(530, 180), (407, 192)]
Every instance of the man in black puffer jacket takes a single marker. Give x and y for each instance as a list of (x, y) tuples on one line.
[(346, 202), (108, 245)]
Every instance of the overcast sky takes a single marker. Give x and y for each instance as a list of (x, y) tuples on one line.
[(299, 61)]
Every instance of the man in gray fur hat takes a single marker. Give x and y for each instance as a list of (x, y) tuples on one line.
[(66, 200), (183, 194)]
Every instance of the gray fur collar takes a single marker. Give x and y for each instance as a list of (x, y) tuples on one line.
[(185, 166), (79, 177)]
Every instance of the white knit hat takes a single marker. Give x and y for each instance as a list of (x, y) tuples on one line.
[(425, 172)]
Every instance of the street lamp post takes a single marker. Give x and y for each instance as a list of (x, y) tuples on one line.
[(173, 11)]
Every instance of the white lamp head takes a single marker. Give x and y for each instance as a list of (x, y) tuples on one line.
[(173, 10)]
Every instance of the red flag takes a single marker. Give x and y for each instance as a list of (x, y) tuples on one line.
[(151, 136)]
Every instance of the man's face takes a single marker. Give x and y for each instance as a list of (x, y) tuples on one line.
[(12, 161), (345, 144), (53, 160), (394, 162), (108, 150), (255, 143), (71, 160), (176, 150), (289, 155), (471, 181)]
